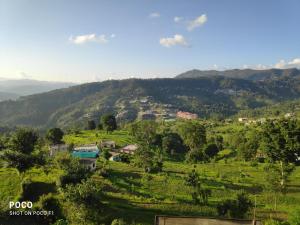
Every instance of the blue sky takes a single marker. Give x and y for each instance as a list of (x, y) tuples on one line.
[(86, 40)]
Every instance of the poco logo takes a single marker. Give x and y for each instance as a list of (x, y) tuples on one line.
[(22, 205)]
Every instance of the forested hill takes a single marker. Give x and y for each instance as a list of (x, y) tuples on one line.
[(248, 74), (214, 96)]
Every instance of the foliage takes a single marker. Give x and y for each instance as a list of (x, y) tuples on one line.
[(278, 177), (144, 131), (172, 143), (91, 125), (105, 154), (23, 140), (281, 142), (149, 159), (236, 208), (55, 136), (74, 172), (199, 194), (193, 134), (109, 122), (50, 203)]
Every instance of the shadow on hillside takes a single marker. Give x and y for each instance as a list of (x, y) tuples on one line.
[(126, 181), (32, 191), (230, 185)]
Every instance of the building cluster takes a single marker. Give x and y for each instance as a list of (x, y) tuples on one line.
[(249, 121), (186, 115), (88, 154)]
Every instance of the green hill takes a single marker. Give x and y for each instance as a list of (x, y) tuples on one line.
[(214, 96)]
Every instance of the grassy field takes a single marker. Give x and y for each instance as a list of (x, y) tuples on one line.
[(87, 137)]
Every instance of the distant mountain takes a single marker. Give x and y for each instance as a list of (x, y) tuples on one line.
[(214, 96), (6, 96), (247, 74), (24, 87)]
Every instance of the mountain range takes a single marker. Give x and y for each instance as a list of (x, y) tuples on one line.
[(248, 74), (216, 94), (12, 89)]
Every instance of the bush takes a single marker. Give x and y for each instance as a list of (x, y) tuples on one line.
[(236, 208), (50, 203)]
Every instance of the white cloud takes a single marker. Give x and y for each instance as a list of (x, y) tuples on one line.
[(82, 39), (177, 19), (112, 36), (154, 15), (199, 21), (172, 41), (282, 64)]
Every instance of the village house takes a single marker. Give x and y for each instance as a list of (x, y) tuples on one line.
[(54, 149), (88, 163), (129, 149), (186, 115), (243, 119), (87, 155), (108, 144), (115, 156)]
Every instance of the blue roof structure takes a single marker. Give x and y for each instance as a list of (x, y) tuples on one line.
[(90, 151), (85, 154)]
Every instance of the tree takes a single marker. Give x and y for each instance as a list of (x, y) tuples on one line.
[(91, 125), (21, 147), (281, 143), (211, 150), (24, 141), (83, 202), (148, 159), (74, 172), (54, 136), (109, 122), (172, 143), (195, 155), (145, 132), (235, 208), (193, 134), (199, 194)]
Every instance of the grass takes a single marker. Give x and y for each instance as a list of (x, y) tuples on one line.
[(10, 186), (121, 137)]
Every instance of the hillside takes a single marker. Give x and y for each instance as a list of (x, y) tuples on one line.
[(248, 74), (133, 98)]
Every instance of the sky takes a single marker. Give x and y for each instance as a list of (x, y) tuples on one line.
[(95, 40)]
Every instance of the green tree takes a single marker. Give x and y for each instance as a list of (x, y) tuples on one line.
[(211, 150), (172, 143), (145, 132), (109, 122), (235, 208), (55, 136), (21, 147), (24, 141), (91, 125), (150, 160), (193, 134), (74, 172), (199, 194), (281, 143)]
